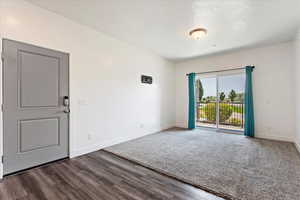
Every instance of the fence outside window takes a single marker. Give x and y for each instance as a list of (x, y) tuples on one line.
[(231, 114)]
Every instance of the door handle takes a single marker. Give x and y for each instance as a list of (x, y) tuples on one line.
[(66, 110), (66, 103)]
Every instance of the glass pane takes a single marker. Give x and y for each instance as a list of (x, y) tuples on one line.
[(206, 101), (231, 106)]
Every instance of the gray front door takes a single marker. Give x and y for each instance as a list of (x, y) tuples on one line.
[(35, 84)]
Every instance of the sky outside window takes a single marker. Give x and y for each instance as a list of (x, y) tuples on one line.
[(226, 84)]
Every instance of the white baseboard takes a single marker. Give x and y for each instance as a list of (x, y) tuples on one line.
[(87, 149), (97, 146), (181, 125), (257, 135), (101, 145), (273, 137)]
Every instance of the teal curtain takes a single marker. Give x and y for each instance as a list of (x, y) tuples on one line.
[(249, 111), (191, 120)]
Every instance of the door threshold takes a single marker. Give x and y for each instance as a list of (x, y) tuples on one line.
[(207, 128), (34, 167), (220, 130), (231, 131)]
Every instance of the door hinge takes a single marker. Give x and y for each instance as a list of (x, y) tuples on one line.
[(2, 55), (2, 107), (2, 159)]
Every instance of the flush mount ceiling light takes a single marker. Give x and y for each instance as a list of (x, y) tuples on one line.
[(198, 33)]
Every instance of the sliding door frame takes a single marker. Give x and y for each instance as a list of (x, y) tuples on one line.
[(217, 103), (217, 75)]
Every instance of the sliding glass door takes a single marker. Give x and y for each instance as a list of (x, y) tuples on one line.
[(206, 101), (220, 101), (231, 101)]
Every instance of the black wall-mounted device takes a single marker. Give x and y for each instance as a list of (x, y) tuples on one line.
[(66, 101), (146, 79)]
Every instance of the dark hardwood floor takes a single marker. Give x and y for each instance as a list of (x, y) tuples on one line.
[(96, 176)]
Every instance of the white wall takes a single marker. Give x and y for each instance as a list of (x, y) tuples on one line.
[(107, 99), (272, 84), (297, 88)]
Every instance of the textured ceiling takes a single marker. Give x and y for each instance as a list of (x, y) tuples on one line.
[(163, 25)]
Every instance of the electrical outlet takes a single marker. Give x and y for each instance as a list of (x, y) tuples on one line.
[(90, 136), (142, 125)]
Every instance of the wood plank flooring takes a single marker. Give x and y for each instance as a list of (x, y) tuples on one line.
[(96, 176)]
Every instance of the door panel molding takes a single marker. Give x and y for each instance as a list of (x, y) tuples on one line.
[(22, 80), (21, 142)]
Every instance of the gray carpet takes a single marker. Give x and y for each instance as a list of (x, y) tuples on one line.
[(231, 166)]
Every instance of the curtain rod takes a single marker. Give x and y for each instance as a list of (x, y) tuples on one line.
[(222, 70)]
